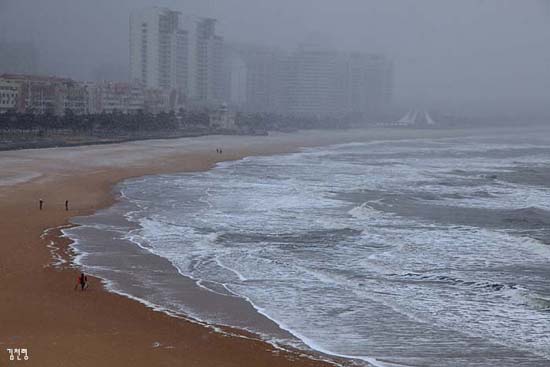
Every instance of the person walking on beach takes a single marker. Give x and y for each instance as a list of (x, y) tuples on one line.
[(67, 205), (81, 281), (41, 204)]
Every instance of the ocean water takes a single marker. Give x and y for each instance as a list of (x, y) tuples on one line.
[(397, 253)]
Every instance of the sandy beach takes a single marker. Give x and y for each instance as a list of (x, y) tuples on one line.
[(40, 311)]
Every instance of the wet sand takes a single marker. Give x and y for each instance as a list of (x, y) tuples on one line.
[(39, 309)]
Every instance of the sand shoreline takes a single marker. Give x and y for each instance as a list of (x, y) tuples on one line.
[(122, 281), (42, 313), (63, 259)]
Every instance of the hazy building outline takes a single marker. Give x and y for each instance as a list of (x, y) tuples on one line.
[(158, 49)]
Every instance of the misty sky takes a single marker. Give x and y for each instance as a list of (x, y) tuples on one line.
[(453, 53)]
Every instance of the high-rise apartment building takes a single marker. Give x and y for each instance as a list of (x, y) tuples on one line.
[(313, 81), (256, 77), (368, 84), (205, 60), (169, 50), (379, 84), (158, 49), (235, 75)]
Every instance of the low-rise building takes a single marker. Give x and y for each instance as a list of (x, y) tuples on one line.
[(222, 118), (131, 98), (111, 97), (74, 98), (156, 101), (9, 95), (41, 95), (58, 96)]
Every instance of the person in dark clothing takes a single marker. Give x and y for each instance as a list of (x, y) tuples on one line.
[(67, 205), (82, 282), (41, 204)]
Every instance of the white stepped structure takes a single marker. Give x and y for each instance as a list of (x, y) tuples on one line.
[(429, 119), (405, 120), (414, 117)]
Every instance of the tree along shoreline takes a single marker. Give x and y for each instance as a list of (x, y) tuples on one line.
[(30, 131)]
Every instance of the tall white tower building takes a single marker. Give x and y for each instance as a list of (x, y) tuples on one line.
[(171, 51), (205, 60), (159, 49)]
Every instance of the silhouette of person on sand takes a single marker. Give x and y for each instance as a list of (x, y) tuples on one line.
[(82, 282), (41, 204), (67, 205)]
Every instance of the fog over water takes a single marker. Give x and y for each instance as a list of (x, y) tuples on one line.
[(468, 54)]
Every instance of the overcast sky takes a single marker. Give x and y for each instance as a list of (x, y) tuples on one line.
[(446, 52)]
